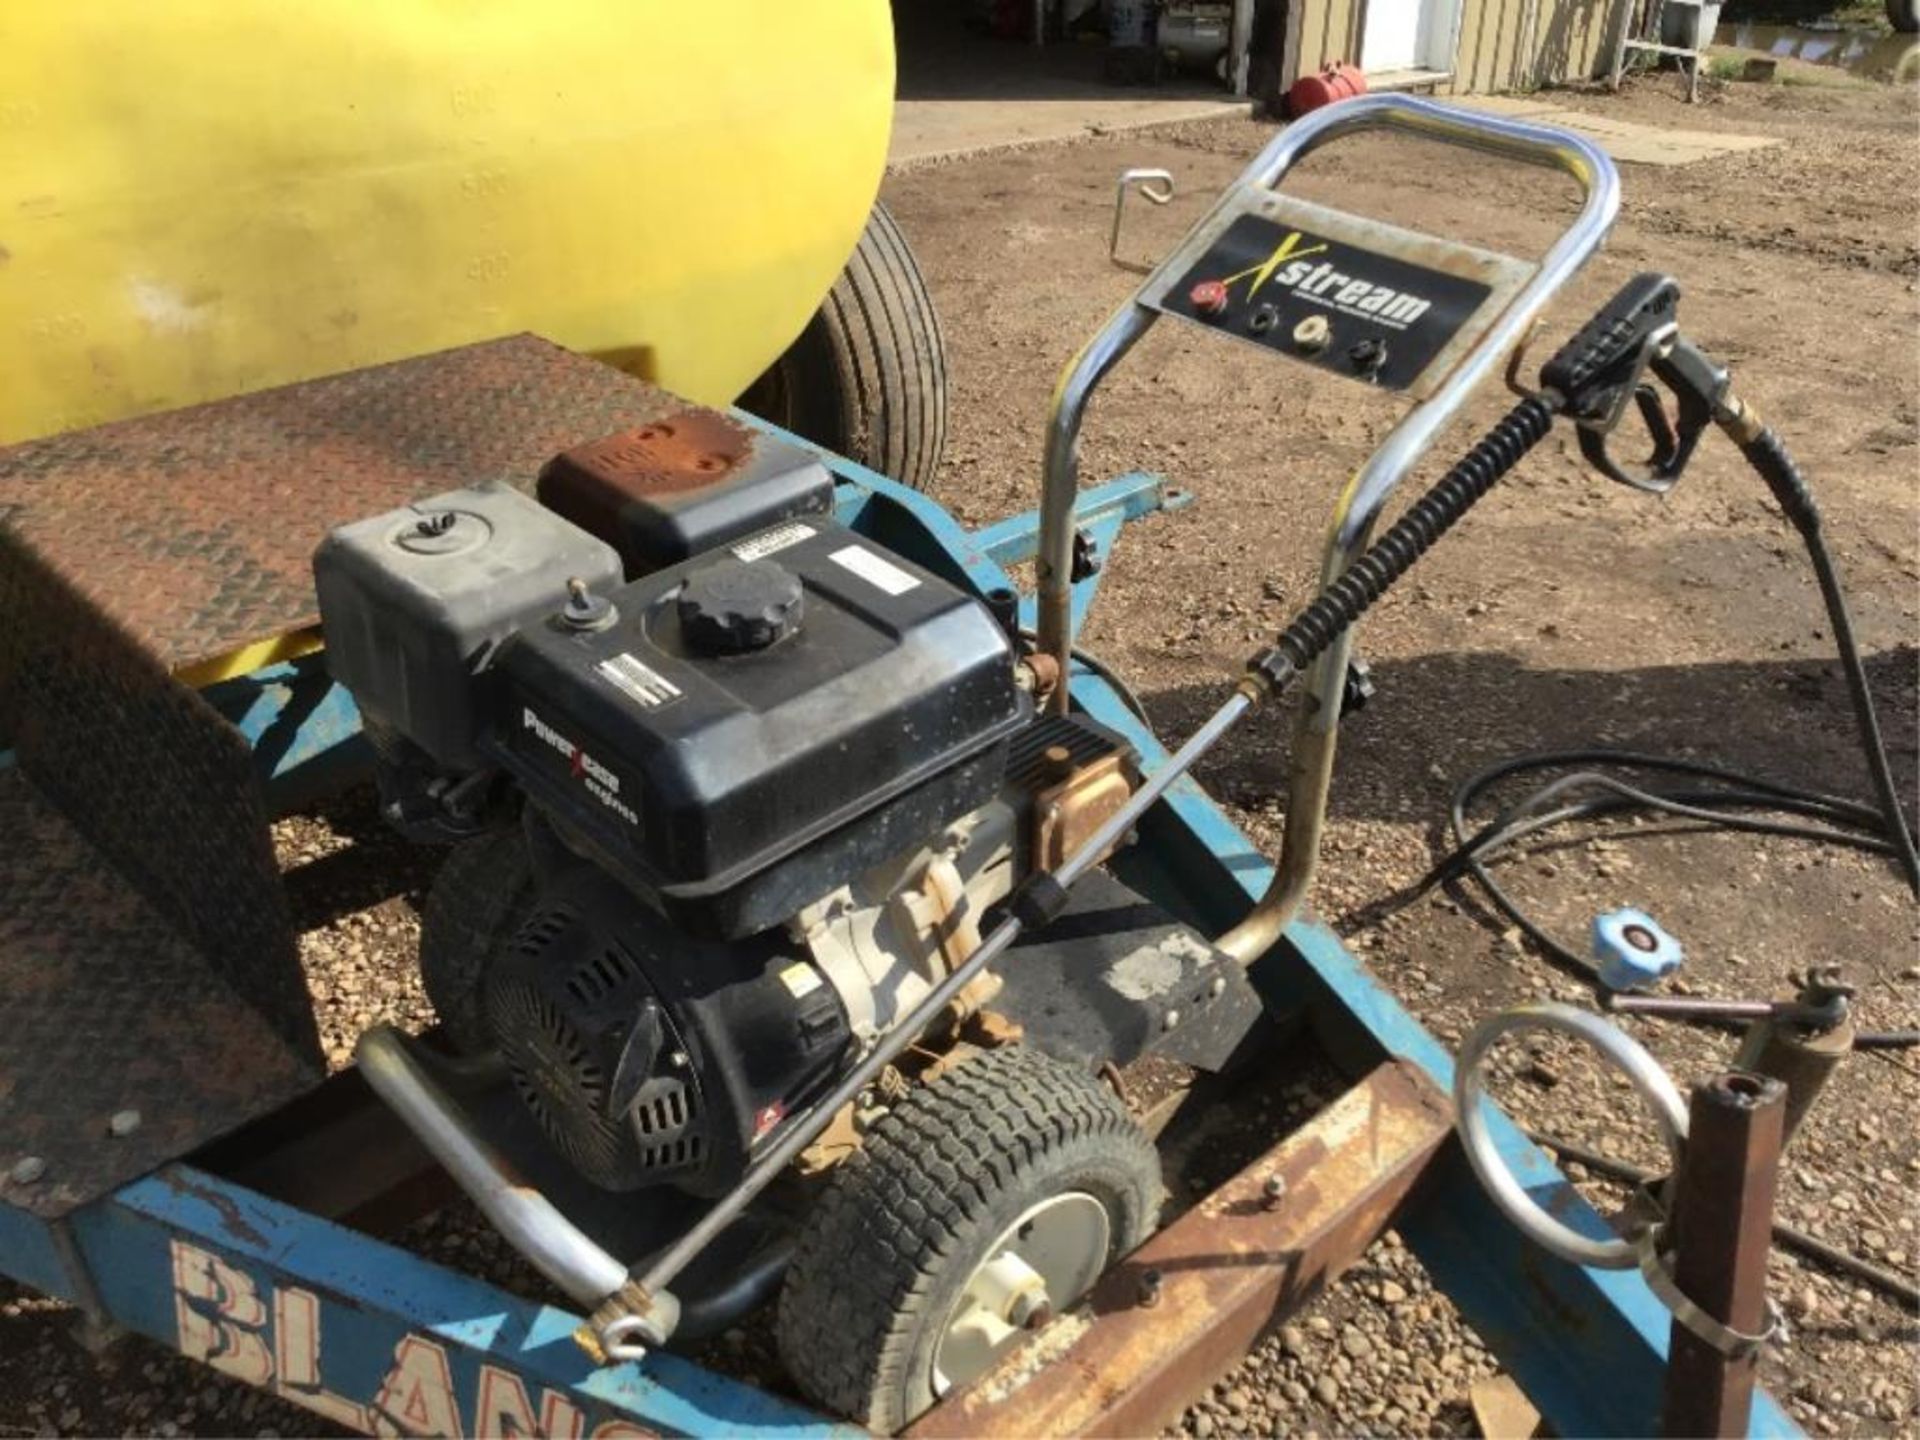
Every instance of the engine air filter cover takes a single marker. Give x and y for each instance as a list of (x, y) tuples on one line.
[(646, 1057)]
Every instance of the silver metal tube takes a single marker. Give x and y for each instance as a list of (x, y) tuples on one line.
[(1060, 483), (1365, 496), (1154, 185), (555, 1246)]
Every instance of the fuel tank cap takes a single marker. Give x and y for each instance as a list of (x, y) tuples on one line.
[(736, 606)]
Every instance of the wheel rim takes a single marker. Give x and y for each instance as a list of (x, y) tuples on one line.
[(1038, 1266)]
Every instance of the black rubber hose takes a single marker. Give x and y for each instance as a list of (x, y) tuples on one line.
[(1898, 1287), (1342, 603), (1770, 460), (1715, 806), (751, 1285)]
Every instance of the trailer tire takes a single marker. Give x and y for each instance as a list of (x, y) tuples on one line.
[(1904, 15), (474, 905), (867, 378), (941, 1186)]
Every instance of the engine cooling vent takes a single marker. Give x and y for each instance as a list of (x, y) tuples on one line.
[(601, 976), (663, 1120), (563, 1023), (540, 929)]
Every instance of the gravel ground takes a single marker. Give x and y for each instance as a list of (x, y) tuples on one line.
[(1565, 612)]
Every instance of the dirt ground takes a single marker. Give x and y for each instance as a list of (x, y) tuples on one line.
[(1566, 612)]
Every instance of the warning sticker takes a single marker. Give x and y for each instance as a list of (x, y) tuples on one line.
[(775, 540), (882, 574), (801, 978), (638, 681)]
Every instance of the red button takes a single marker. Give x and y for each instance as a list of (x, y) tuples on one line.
[(1209, 297)]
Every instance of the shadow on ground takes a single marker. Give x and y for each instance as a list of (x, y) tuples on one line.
[(1436, 718)]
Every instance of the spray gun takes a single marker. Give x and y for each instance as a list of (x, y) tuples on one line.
[(1645, 313), (1638, 334)]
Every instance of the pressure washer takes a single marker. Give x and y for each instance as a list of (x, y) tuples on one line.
[(777, 851)]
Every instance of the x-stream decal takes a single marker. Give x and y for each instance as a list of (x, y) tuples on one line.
[(1336, 305)]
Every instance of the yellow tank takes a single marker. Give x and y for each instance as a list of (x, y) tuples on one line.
[(203, 197)]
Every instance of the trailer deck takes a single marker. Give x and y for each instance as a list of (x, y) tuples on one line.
[(163, 701)]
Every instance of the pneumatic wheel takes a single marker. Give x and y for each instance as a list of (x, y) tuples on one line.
[(482, 893), (985, 1202), (867, 378), (1904, 15)]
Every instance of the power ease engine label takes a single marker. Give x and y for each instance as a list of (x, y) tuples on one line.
[(1375, 318), (536, 736)]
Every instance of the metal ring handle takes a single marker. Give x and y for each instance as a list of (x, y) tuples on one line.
[(1626, 1055)]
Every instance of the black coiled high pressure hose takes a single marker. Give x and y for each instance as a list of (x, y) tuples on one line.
[(1341, 604)]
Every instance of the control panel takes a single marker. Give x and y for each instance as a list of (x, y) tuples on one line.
[(1378, 304)]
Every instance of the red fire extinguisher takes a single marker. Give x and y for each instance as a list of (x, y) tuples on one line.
[(1339, 81)]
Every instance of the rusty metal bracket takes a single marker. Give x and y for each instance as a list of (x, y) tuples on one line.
[(1191, 1301), (1723, 1229)]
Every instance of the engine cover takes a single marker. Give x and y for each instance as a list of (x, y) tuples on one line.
[(752, 727), (648, 1057)]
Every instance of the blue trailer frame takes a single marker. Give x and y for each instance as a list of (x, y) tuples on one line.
[(370, 1335)]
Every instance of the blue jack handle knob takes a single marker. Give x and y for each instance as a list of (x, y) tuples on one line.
[(1631, 951)]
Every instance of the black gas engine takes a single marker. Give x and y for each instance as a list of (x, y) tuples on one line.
[(731, 785)]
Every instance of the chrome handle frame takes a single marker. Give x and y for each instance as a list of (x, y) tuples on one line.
[(1368, 491)]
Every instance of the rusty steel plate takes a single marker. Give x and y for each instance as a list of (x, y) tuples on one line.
[(108, 1010), (194, 531), (137, 552), (1179, 1311)]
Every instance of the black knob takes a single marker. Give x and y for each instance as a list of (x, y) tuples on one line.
[(735, 606)]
